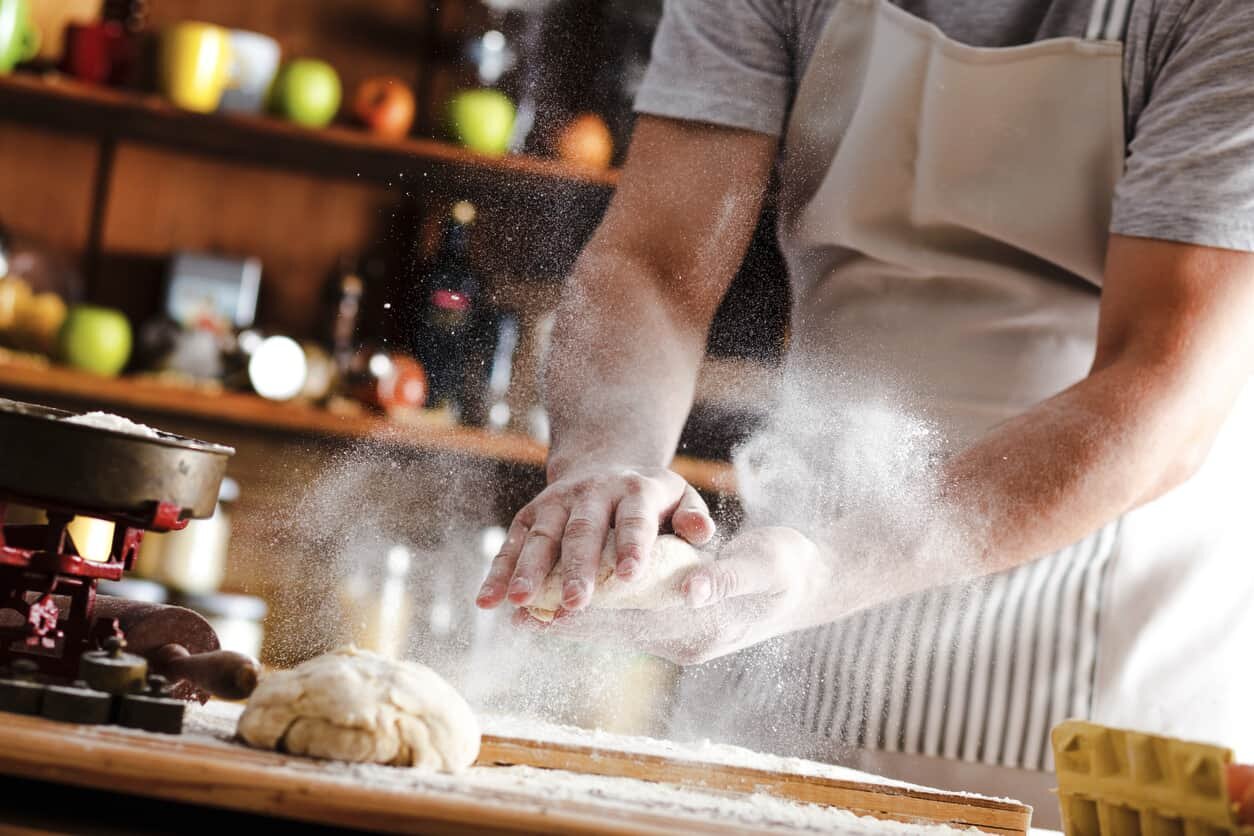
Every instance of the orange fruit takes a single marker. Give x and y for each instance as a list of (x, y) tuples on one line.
[(585, 142)]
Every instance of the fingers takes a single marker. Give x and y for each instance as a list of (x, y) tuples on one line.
[(691, 518), (492, 593), (632, 628), (539, 552), (571, 520), (582, 543), (730, 577), (635, 528), (522, 619), (681, 636)]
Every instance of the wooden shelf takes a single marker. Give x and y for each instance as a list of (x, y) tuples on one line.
[(33, 381), (63, 104)]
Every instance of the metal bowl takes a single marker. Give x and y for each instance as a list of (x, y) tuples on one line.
[(50, 462)]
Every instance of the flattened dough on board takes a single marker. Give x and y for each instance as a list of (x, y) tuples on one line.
[(658, 589), (354, 705)]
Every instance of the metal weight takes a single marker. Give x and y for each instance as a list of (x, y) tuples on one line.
[(77, 704), (19, 692), (153, 710), (113, 671)]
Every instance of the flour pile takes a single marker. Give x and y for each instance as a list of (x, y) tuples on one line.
[(114, 423)]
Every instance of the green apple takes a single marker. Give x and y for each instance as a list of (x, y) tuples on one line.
[(306, 91), (95, 339), (482, 120)]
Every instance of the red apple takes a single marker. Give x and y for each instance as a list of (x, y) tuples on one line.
[(1241, 791), (385, 105)]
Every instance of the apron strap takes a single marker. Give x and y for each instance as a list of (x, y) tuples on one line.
[(1108, 20)]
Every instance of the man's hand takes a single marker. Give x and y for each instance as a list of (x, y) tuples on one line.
[(765, 583), (570, 520)]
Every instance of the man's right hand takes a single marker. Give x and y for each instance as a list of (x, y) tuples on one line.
[(570, 520)]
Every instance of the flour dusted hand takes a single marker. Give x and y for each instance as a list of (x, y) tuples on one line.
[(353, 705), (764, 583), (657, 588)]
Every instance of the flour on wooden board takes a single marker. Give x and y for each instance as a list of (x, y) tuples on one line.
[(540, 789)]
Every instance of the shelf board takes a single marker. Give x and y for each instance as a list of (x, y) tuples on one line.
[(32, 380), (64, 104)]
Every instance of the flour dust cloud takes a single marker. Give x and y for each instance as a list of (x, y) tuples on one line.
[(853, 464), (386, 547)]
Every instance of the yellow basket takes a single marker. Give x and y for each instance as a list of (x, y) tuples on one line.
[(1113, 782)]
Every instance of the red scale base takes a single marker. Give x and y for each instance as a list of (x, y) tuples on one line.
[(48, 591)]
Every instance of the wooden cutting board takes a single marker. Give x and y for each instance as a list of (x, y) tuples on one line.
[(212, 773)]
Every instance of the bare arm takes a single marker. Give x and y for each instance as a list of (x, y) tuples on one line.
[(628, 341), (1175, 347), (631, 329)]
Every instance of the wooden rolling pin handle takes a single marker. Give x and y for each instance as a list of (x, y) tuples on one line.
[(223, 673)]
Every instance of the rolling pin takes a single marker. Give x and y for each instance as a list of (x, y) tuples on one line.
[(181, 646)]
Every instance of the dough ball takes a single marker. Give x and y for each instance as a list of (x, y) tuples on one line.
[(656, 589), (353, 705)]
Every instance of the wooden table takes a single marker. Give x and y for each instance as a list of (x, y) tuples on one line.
[(209, 773)]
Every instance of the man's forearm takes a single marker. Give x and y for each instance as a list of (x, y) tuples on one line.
[(1052, 476), (1057, 473), (622, 372)]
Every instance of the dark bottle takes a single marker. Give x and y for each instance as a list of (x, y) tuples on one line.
[(341, 314), (445, 329)]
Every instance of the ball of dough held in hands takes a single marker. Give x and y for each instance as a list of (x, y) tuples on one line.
[(353, 705), (657, 589)]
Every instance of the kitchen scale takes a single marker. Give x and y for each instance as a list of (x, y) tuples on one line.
[(54, 629)]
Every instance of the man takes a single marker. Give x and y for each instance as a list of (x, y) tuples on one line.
[(1031, 224)]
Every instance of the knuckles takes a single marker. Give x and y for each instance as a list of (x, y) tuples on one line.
[(608, 485), (634, 520), (633, 484), (539, 532), (629, 551), (582, 528)]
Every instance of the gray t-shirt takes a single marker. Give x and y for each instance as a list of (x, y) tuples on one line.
[(1188, 77)]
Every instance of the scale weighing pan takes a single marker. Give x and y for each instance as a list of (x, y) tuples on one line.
[(52, 463)]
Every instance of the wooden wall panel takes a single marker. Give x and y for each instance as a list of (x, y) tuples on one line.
[(46, 186), (298, 225)]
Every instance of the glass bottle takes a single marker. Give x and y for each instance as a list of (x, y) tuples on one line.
[(451, 286)]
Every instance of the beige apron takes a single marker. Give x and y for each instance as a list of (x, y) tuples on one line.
[(944, 214)]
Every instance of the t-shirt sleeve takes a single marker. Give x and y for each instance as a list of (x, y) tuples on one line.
[(727, 62), (1190, 166)]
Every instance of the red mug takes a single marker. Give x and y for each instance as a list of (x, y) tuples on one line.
[(100, 53)]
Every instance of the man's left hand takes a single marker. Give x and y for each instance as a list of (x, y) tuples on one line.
[(764, 583)]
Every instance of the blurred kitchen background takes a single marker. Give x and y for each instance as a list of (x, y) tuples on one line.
[(330, 233)]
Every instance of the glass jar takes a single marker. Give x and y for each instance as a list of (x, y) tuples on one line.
[(237, 619)]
